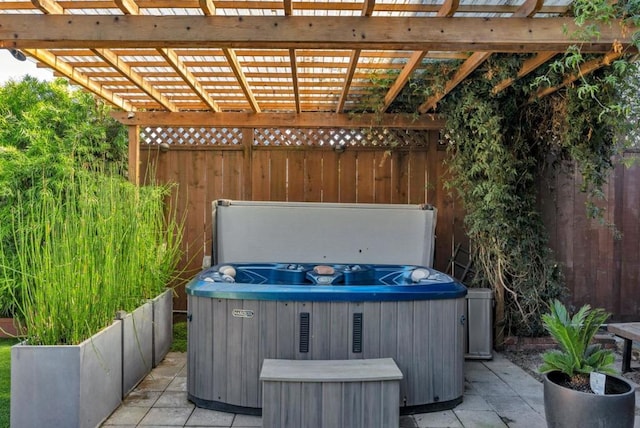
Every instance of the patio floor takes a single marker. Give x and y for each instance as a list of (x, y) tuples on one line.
[(497, 394)]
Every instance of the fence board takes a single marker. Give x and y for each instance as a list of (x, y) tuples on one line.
[(214, 174), (582, 277), (348, 184), (330, 176), (383, 163), (197, 195), (313, 177), (260, 186), (232, 174), (278, 176), (365, 168), (296, 175), (417, 168), (630, 245), (401, 178)]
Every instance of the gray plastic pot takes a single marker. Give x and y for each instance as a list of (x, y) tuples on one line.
[(565, 408)]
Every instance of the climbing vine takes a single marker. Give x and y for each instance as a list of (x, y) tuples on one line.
[(500, 141)]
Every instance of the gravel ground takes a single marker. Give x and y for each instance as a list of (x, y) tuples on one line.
[(531, 360)]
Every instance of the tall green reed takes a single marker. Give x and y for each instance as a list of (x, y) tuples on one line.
[(86, 250)]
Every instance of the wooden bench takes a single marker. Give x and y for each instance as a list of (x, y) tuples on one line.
[(629, 332), (330, 393)]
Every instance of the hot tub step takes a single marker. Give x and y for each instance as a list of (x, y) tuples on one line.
[(361, 393)]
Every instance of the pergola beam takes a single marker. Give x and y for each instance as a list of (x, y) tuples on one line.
[(284, 120), (232, 59), (209, 9), (526, 10), (586, 68), (448, 9), (174, 61), (130, 7), (527, 67), (288, 11), (269, 5), (299, 32), (294, 78), (397, 86), (367, 10), (465, 70), (53, 7), (78, 78), (351, 71), (110, 58)]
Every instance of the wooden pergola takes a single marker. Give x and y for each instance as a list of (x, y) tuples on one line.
[(276, 61)]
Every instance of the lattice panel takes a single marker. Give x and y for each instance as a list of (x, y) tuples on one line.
[(191, 136), (367, 137)]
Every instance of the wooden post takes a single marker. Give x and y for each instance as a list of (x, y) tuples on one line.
[(134, 154)]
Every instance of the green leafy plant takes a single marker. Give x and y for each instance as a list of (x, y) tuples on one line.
[(47, 131), (84, 251), (577, 356)]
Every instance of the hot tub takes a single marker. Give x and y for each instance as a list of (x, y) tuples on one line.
[(242, 313)]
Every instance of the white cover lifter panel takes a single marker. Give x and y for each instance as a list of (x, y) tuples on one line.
[(308, 232)]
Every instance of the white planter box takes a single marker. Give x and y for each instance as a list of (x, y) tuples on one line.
[(137, 346), (67, 385), (162, 325)]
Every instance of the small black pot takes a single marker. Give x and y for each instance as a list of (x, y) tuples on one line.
[(567, 408)]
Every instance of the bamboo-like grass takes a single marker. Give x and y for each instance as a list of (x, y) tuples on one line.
[(87, 249)]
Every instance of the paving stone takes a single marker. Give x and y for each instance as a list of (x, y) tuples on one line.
[(535, 401), (247, 421), (178, 383), (473, 402), (154, 382), (182, 372), (479, 419), (478, 373), (496, 387), (141, 398), (407, 421), (508, 403), (173, 399), (126, 415), (442, 419), (166, 416), (523, 419), (209, 418)]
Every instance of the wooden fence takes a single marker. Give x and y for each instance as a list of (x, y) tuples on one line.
[(325, 165), (376, 166), (598, 268)]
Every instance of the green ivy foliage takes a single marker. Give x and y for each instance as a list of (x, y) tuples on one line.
[(495, 169), (48, 130), (500, 142)]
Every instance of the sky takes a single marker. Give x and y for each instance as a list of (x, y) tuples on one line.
[(10, 68)]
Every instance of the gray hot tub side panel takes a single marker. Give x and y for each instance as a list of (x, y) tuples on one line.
[(323, 233), (425, 338)]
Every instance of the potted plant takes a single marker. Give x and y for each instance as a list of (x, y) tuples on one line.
[(85, 251), (569, 400)]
